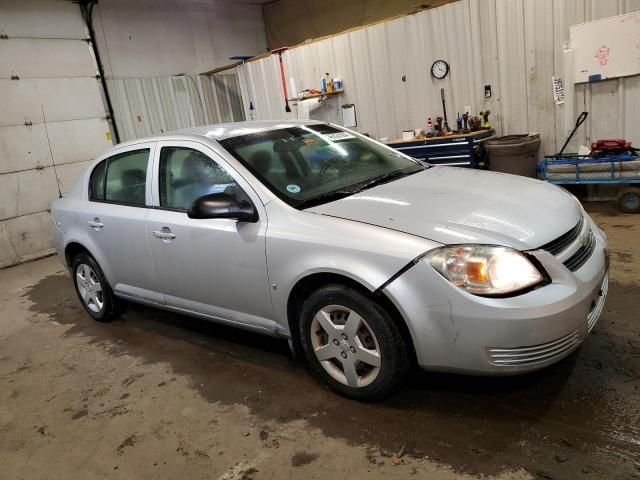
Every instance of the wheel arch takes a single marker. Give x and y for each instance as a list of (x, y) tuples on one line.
[(72, 250), (75, 247), (312, 282)]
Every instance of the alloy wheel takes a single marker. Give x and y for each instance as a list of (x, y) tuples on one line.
[(345, 345), (89, 288)]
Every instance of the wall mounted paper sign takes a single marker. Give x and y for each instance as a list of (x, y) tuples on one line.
[(558, 89), (606, 48), (349, 116)]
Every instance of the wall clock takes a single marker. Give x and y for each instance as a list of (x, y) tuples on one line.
[(439, 69)]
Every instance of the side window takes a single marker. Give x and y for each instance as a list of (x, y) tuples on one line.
[(186, 174), (126, 177), (96, 182)]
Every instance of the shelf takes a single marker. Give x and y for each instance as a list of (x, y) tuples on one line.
[(450, 136), (316, 95)]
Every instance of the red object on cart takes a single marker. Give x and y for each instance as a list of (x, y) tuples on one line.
[(610, 146)]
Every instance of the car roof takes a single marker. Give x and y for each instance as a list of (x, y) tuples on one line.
[(235, 129), (223, 131)]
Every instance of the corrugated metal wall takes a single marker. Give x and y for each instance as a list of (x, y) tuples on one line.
[(153, 105), (513, 45)]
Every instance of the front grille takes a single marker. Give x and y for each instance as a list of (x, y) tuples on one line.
[(533, 355), (556, 246), (575, 261)]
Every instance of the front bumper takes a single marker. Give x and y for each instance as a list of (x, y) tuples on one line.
[(453, 330)]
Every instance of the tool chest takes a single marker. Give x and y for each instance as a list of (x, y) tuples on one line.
[(456, 150)]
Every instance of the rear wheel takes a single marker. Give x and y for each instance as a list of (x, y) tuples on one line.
[(352, 343), (629, 200), (94, 291)]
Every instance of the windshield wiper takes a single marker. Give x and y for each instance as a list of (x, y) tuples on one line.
[(346, 192), (326, 198), (387, 177)]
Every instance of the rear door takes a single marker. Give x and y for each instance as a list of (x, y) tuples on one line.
[(115, 218), (215, 267)]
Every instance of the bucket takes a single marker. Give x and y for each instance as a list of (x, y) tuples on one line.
[(515, 154)]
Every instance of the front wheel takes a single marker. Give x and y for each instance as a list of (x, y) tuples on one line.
[(94, 292), (352, 343)]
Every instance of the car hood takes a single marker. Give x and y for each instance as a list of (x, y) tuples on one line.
[(456, 205)]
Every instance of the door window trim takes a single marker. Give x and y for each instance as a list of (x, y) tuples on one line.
[(151, 146)]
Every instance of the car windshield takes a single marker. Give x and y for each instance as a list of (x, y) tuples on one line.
[(313, 164)]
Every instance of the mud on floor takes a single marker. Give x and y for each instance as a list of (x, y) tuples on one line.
[(579, 418)]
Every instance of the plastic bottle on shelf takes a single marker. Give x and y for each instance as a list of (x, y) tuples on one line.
[(328, 83), (323, 85), (429, 126), (337, 83)]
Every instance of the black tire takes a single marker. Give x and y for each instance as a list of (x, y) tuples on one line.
[(628, 200), (394, 353), (112, 307)]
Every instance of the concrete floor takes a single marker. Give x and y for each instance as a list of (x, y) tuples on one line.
[(157, 395)]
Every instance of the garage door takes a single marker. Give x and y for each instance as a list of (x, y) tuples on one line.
[(52, 118)]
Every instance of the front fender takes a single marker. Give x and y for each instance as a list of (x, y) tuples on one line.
[(301, 243)]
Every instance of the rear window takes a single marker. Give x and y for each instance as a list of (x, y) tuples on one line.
[(121, 178), (96, 183)]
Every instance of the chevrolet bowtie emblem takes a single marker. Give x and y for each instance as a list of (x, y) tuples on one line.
[(584, 240)]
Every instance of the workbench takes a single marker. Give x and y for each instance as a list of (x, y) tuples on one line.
[(461, 150)]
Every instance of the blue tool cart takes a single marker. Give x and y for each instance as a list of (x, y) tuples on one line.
[(622, 169), (460, 150)]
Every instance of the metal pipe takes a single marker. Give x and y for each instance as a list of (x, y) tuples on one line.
[(86, 9)]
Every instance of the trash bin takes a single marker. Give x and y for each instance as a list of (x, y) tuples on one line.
[(516, 154)]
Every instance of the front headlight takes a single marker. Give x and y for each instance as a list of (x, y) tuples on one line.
[(483, 269)]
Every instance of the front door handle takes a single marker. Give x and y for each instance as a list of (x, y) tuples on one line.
[(164, 234), (96, 224)]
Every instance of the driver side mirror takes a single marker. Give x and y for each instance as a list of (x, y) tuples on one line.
[(222, 205)]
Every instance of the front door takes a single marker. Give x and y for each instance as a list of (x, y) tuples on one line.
[(215, 267)]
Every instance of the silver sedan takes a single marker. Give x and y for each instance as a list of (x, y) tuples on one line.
[(366, 260)]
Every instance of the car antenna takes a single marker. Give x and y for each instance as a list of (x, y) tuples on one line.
[(55, 172)]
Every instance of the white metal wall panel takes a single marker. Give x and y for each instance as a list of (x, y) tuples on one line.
[(27, 192), (41, 19), (23, 148), (153, 105), (52, 118), (31, 57), (60, 98), (78, 140), (25, 238), (515, 46), (69, 173)]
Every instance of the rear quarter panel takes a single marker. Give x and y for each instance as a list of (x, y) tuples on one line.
[(68, 228)]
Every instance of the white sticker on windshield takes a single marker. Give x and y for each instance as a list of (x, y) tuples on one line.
[(293, 188), (338, 136)]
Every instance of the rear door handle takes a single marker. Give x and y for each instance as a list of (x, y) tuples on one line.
[(164, 234), (95, 224)]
